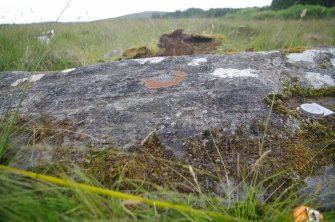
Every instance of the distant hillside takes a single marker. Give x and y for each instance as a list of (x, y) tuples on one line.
[(199, 13), (140, 15), (266, 12), (293, 12)]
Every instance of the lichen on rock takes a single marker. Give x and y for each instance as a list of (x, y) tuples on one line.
[(199, 118), (140, 52)]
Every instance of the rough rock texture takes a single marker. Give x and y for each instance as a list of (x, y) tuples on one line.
[(321, 188), (176, 96), (179, 98)]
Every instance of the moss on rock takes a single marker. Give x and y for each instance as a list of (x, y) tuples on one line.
[(296, 49), (140, 52)]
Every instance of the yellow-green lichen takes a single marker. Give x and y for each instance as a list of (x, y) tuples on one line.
[(296, 49), (211, 36), (140, 52)]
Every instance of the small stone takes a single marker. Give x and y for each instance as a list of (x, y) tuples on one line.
[(314, 110), (311, 110)]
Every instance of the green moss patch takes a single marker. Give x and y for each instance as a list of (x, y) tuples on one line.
[(286, 102), (317, 133), (294, 147)]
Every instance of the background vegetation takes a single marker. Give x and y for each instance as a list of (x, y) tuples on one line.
[(284, 4), (77, 44), (278, 9)]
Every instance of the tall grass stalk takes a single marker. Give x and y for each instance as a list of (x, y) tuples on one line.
[(7, 124), (262, 153), (8, 119), (119, 195), (302, 15)]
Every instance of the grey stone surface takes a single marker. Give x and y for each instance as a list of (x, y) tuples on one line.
[(179, 97), (112, 100), (321, 188)]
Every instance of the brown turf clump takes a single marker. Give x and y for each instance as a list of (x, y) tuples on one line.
[(177, 43)]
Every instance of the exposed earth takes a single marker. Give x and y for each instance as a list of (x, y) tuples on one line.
[(177, 43)]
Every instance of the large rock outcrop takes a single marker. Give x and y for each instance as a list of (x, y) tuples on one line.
[(121, 103), (178, 97)]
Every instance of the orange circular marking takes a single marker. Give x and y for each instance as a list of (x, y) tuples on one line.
[(155, 84)]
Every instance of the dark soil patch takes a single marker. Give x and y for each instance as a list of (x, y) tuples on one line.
[(177, 43)]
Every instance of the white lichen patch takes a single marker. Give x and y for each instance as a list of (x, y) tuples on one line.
[(68, 70), (333, 62), (331, 50), (33, 78), (267, 52), (233, 73), (317, 80), (37, 77), (198, 61), (309, 55), (150, 60), (17, 82), (306, 56)]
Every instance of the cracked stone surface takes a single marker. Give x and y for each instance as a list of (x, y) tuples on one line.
[(111, 98)]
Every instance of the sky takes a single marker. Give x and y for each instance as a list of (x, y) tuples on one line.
[(28, 11)]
